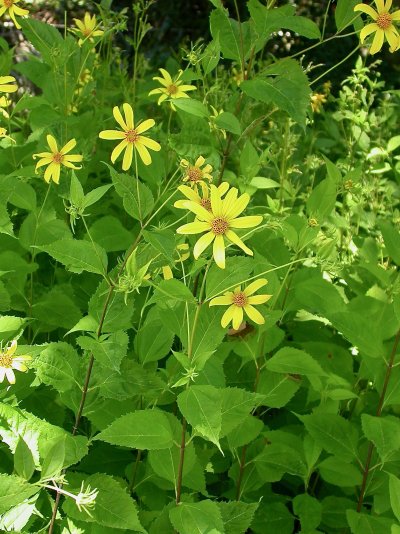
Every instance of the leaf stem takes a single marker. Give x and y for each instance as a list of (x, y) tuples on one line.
[(371, 447)]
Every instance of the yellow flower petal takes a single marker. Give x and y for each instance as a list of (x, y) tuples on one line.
[(196, 227), (228, 316), (68, 147), (129, 119), (12, 348), (145, 125), (202, 243), (117, 150), (111, 135), (219, 251), (52, 144), (367, 9), (118, 117), (10, 376), (258, 299), (367, 30), (149, 143), (254, 314), (216, 202), (239, 205), (224, 300), (255, 286), (377, 42), (127, 161), (246, 222), (143, 153), (237, 318), (201, 212), (237, 241)]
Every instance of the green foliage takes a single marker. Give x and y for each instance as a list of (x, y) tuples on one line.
[(123, 391)]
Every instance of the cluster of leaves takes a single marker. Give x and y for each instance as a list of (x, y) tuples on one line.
[(140, 412)]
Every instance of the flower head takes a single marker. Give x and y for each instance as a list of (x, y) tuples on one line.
[(8, 84), (171, 89), (56, 158), (382, 26), (4, 103), (218, 223), (87, 28), (3, 134), (317, 101), (130, 137), (195, 174), (203, 200), (8, 362), (9, 5), (239, 301)]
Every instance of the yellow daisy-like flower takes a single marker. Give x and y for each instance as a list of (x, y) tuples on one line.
[(130, 137), (3, 134), (240, 301), (194, 196), (194, 174), (8, 362), (56, 158), (171, 88), (9, 5), (87, 28), (8, 84), (382, 26), (218, 223)]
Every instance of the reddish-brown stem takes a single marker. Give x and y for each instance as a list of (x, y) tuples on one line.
[(378, 414)]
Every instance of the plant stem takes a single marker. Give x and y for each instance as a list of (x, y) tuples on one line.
[(367, 467), (181, 462)]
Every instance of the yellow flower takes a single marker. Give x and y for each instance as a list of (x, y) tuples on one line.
[(56, 158), (4, 103), (3, 134), (317, 100), (131, 137), (194, 196), (12, 10), (212, 124), (242, 300), (8, 84), (8, 362), (171, 88), (87, 28), (194, 174), (218, 223), (382, 26)]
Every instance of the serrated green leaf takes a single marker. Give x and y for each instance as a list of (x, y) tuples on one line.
[(109, 350), (137, 198), (24, 464), (58, 366), (189, 105), (237, 516), (229, 122), (384, 432), (294, 361), (143, 429), (153, 342), (203, 516), (54, 460)]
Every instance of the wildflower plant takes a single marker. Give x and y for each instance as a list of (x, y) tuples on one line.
[(148, 380)]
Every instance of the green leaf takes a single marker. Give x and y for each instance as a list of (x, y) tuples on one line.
[(143, 429), (236, 271), (260, 182), (10, 325), (391, 237), (95, 195), (136, 197), (46, 39), (78, 255), (210, 57), (64, 312), (24, 464), (109, 350), (279, 458), (278, 388), (294, 361), (23, 196), (58, 366), (368, 524), (322, 200), (384, 432), (246, 432), (272, 518), (201, 406), (203, 516), (285, 85), (118, 315), (162, 240), (170, 292), (236, 406), (233, 37), (340, 473), (109, 233), (114, 508), (194, 107), (153, 341), (227, 121), (14, 490), (394, 491), (334, 433), (54, 460), (309, 510), (344, 14), (237, 516)]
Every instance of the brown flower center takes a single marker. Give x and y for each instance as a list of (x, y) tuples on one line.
[(58, 157), (132, 136), (194, 174), (86, 32), (8, 3), (239, 299), (219, 225), (172, 89), (5, 360), (384, 21), (206, 203)]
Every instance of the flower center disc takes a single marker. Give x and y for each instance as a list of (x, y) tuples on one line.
[(239, 299), (219, 226), (384, 20), (194, 174), (172, 89), (8, 3), (132, 136), (206, 203), (57, 158), (86, 32), (6, 361)]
